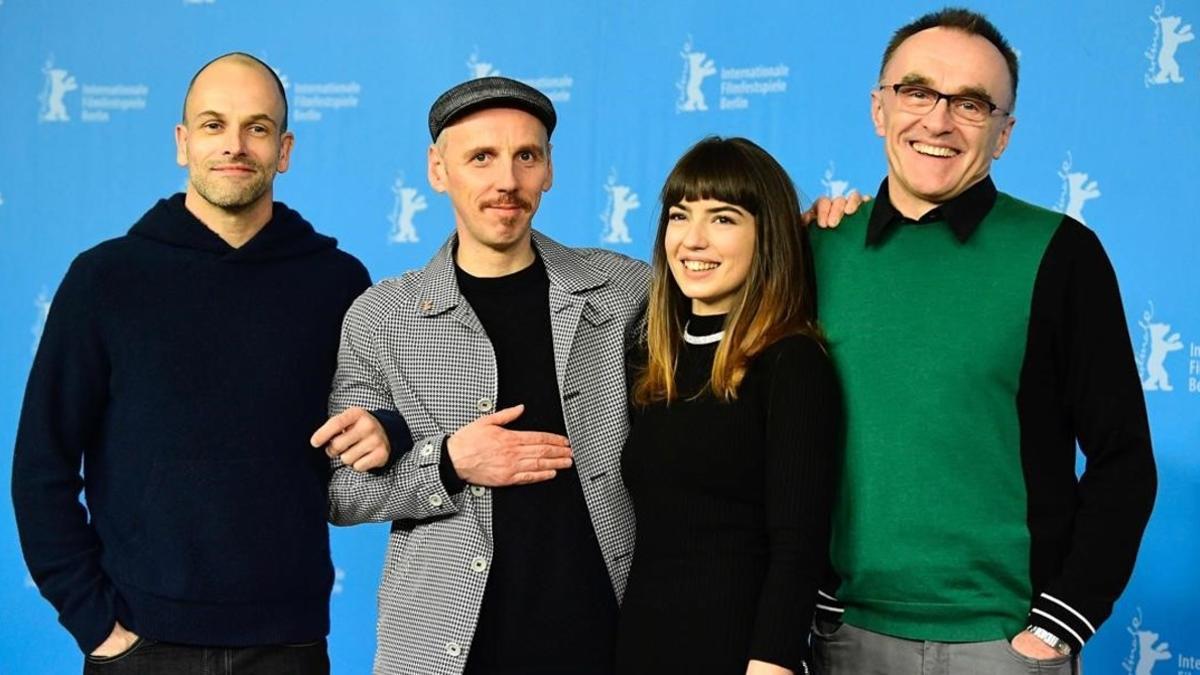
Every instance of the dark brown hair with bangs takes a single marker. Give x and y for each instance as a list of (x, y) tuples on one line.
[(776, 299)]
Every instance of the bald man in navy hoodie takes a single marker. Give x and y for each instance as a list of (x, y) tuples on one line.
[(185, 365)]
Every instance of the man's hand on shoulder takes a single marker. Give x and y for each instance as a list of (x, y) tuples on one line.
[(485, 453), (828, 212), (356, 437), (119, 641)]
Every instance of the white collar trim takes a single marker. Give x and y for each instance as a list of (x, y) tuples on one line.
[(701, 339)]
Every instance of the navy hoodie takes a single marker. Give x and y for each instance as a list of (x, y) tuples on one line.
[(186, 376)]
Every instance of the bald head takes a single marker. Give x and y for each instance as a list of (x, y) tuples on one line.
[(243, 59)]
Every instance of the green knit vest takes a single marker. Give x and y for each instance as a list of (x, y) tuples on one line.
[(930, 536)]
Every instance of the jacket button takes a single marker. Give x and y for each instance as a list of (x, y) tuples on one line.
[(452, 649), (427, 449), (484, 405), (479, 564)]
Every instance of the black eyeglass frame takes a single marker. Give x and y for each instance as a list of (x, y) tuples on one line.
[(950, 98)]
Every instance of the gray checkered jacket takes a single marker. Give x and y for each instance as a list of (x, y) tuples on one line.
[(411, 343)]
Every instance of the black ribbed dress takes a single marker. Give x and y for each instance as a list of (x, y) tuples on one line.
[(733, 502)]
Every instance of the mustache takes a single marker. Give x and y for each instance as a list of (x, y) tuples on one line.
[(511, 200)]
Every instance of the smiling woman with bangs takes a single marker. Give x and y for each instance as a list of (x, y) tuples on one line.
[(736, 413)]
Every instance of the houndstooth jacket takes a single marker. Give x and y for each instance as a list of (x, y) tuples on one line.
[(413, 344)]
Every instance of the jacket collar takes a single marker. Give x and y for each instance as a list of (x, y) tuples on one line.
[(565, 268)]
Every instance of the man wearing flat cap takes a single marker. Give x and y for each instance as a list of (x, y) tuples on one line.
[(509, 546)]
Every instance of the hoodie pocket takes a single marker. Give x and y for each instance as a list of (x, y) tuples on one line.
[(231, 531)]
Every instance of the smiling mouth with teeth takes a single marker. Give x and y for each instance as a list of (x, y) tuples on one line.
[(933, 150), (699, 265)]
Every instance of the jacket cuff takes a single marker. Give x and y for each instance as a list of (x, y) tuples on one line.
[(829, 608), (1064, 621), (399, 437), (434, 496)]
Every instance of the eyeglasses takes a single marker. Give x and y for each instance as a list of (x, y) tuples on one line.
[(919, 100)]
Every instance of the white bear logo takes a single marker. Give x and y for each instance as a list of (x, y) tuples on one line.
[(479, 68), (834, 188), (1157, 343), (1080, 191), (1076, 191), (1168, 29), (1145, 650), (1149, 653), (696, 67), (1160, 346), (621, 200), (57, 84), (409, 202)]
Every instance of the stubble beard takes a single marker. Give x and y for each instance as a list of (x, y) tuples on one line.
[(231, 196)]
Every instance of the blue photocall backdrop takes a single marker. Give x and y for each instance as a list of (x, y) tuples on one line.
[(1106, 131)]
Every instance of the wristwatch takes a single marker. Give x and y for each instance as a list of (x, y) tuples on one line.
[(1050, 639)]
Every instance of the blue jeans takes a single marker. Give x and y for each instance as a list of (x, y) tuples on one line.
[(147, 657)]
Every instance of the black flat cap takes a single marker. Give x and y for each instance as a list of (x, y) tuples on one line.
[(489, 92)]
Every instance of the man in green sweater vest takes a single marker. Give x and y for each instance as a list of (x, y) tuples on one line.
[(978, 338)]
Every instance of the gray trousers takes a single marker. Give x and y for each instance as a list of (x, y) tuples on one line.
[(842, 649)]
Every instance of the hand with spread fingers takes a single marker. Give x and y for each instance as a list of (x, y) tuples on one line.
[(485, 453), (355, 436)]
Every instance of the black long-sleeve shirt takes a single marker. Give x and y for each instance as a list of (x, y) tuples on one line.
[(732, 502)]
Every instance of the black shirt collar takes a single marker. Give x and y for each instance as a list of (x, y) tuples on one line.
[(963, 213), (707, 324)]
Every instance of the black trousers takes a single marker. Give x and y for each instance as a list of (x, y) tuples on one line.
[(147, 657)]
